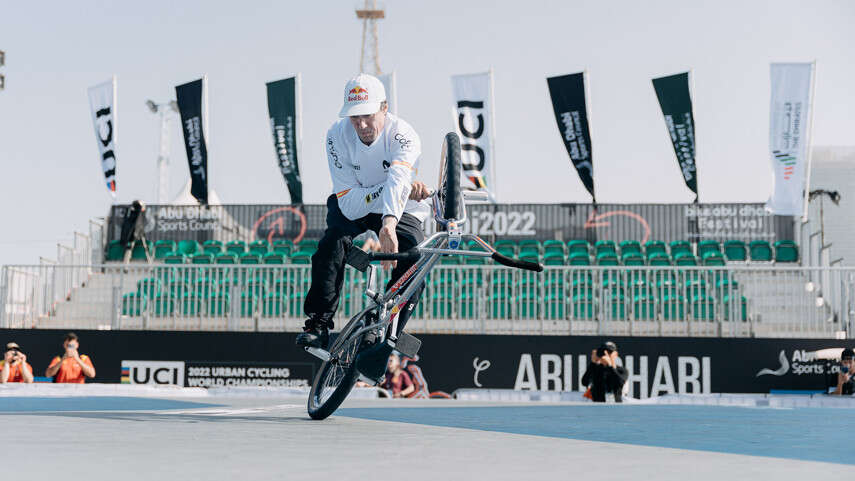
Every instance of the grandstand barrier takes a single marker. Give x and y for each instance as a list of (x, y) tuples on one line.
[(555, 364), (616, 222), (731, 300)]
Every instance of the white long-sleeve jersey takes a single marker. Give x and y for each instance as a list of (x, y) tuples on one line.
[(376, 178)]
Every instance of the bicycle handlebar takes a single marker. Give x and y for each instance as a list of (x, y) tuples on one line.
[(507, 261), (412, 254)]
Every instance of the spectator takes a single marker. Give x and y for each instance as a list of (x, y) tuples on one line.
[(397, 381), (845, 381), (133, 229), (604, 375), (15, 367), (71, 367)]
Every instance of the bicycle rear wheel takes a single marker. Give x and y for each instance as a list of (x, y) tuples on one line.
[(449, 177), (338, 375)]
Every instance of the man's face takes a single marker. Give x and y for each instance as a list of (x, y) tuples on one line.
[(70, 343), (368, 127), (849, 363)]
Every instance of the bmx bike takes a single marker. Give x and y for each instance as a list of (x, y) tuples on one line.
[(350, 358)]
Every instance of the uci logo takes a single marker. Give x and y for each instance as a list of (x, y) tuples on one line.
[(153, 372)]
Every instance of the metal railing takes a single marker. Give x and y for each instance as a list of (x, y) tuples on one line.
[(732, 301)]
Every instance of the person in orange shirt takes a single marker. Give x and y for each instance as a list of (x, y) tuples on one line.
[(14, 366), (71, 367)]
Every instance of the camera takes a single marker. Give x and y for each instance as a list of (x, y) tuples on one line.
[(844, 369)]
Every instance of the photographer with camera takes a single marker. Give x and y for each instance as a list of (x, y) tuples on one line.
[(15, 367), (604, 375), (71, 367), (845, 381), (133, 230)]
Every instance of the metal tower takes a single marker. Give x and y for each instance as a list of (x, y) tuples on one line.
[(369, 60)]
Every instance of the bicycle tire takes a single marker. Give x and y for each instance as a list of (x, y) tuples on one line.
[(450, 176), (321, 409)]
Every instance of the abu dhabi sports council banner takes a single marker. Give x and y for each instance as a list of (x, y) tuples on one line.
[(390, 84), (790, 113), (473, 121), (571, 114), (282, 107), (102, 102), (676, 103), (189, 97)]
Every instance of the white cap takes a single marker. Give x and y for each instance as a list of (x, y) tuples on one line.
[(362, 96)]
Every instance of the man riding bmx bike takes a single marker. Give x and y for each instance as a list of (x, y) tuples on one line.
[(373, 156)]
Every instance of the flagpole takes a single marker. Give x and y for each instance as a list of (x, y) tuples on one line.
[(808, 143), (695, 132), (493, 137), (299, 126), (207, 132), (586, 88)]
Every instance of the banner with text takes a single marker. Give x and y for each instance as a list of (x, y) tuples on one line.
[(282, 107), (189, 97), (102, 102), (571, 114), (473, 121), (790, 112), (676, 103)]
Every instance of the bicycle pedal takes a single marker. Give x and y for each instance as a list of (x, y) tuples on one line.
[(318, 353), (408, 345)]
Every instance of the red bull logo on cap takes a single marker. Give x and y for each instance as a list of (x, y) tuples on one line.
[(357, 94)]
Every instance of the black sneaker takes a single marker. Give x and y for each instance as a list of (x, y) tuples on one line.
[(318, 335)]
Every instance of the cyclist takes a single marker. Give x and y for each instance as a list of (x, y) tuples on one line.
[(373, 156)]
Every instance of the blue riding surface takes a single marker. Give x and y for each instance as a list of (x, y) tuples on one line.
[(93, 403), (808, 434)]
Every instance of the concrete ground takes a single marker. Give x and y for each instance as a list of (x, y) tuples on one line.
[(247, 438)]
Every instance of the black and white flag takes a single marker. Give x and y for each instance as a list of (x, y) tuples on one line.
[(189, 98), (282, 106), (102, 102), (676, 103), (571, 114)]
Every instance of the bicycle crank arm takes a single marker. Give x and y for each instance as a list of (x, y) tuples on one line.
[(319, 353)]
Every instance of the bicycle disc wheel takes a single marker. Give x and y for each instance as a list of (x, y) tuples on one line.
[(337, 376), (449, 177)]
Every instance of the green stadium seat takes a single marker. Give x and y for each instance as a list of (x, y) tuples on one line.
[(555, 250), (583, 308), (527, 304), (760, 251), (530, 244), (658, 259), (295, 302), (578, 246), (606, 258), (272, 305), (506, 251), (213, 247), (729, 308), (260, 247), (204, 287), (703, 308), (148, 287), (250, 258), (301, 257), (673, 307), (734, 250), (175, 258), (468, 305), (274, 258), (630, 247), (499, 305), (236, 247), (685, 259), (529, 256), (164, 274), (163, 306), (218, 304), (644, 306), (786, 251), (706, 246), (554, 245), (283, 246), (202, 259), (133, 304), (579, 259), (528, 286), (248, 304), (115, 251), (680, 246), (605, 247), (192, 305), (188, 247), (632, 259), (227, 258), (256, 288), (310, 245), (654, 247), (139, 253), (505, 244), (555, 307), (441, 306), (163, 248), (475, 261), (713, 258), (178, 289), (553, 258)]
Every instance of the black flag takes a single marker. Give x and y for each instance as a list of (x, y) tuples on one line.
[(189, 98), (282, 106), (571, 114), (676, 103)]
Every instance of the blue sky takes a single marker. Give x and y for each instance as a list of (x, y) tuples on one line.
[(51, 182)]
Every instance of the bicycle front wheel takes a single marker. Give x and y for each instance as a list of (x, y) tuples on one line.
[(449, 177), (338, 375)]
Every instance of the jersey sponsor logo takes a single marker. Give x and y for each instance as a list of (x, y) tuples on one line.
[(333, 153), (342, 193), (405, 142), (385, 165), (373, 195), (357, 94)]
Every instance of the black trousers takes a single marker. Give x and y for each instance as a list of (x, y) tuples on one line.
[(328, 263)]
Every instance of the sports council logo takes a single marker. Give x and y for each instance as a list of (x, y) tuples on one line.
[(785, 367), (357, 94), (802, 362)]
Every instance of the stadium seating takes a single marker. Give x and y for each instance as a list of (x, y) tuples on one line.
[(163, 248), (734, 250), (786, 251)]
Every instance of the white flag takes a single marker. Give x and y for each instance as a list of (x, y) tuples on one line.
[(473, 121), (790, 114), (102, 101), (389, 83)]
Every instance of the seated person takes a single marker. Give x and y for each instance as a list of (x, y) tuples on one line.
[(71, 367), (845, 381), (397, 381), (14, 366)]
